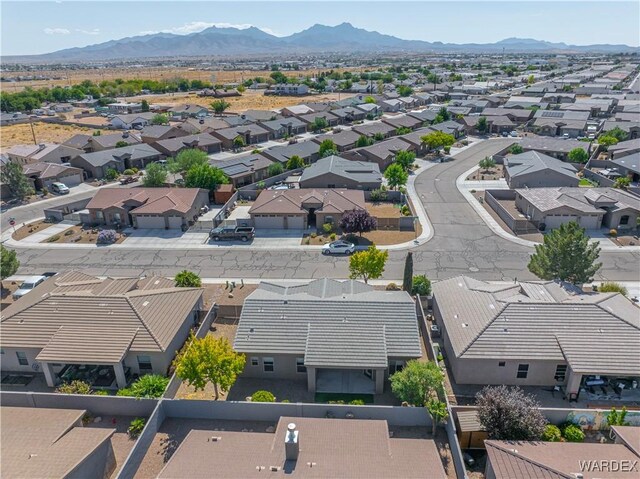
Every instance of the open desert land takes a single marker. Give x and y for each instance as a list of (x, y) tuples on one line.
[(11, 135)]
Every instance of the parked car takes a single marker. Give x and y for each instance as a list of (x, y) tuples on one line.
[(59, 188), (128, 179), (513, 133), (27, 285), (242, 233), (338, 247)]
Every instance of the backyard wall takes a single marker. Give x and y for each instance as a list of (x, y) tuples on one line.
[(58, 212), (492, 197)]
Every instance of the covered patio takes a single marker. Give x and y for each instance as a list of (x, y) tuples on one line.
[(346, 381)]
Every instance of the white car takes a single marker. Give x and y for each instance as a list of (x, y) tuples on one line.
[(59, 188), (338, 247), (27, 285)]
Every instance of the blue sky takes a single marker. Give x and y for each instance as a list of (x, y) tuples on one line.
[(30, 27)]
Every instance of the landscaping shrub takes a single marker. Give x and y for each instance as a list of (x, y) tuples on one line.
[(53, 239), (128, 172), (106, 237), (339, 401), (125, 392), (263, 396), (135, 170), (392, 287), (100, 392), (313, 235), (613, 232), (74, 387), (612, 287), (285, 401), (405, 210), (148, 386), (327, 228), (378, 195), (136, 426), (332, 236), (357, 402), (111, 174), (421, 285), (573, 433), (447, 149), (68, 232), (552, 433)]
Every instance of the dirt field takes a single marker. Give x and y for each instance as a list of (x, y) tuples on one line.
[(378, 237), (494, 173), (79, 234), (24, 231), (45, 133)]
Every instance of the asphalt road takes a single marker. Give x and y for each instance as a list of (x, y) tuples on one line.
[(462, 244)]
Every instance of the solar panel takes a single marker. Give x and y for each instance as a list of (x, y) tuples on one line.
[(552, 114)]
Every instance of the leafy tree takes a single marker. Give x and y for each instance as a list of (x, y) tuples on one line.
[(403, 130), (295, 162), (617, 133), (433, 78), (418, 382), (369, 99), (622, 183), (13, 176), (407, 278), (508, 414), (566, 255), (263, 396), (421, 285), (155, 175), (122, 144), (405, 159), (364, 141), (404, 90), (327, 146), (438, 411), (396, 175), (437, 139), (606, 140), (187, 279), (187, 159), (209, 360), (516, 149), (368, 264), (279, 77), (9, 263), (205, 176), (357, 221), (144, 105), (531, 80), (160, 119), (111, 174), (444, 113), (238, 142), (487, 163), (275, 169), (319, 123), (578, 155), (612, 287), (219, 106), (482, 124)]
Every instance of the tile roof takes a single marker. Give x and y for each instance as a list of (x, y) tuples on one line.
[(243, 165), (190, 141), (359, 171), (291, 201), (146, 200), (532, 162), (49, 170), (133, 152), (582, 200)]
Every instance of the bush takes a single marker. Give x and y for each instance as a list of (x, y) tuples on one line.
[(332, 236), (68, 232), (447, 149), (128, 172), (339, 401), (613, 232), (148, 386), (313, 235), (53, 239), (100, 392), (378, 195), (106, 237), (421, 285), (263, 396), (612, 287), (392, 287), (405, 210), (573, 433), (551, 433), (285, 401), (111, 174), (327, 228), (135, 170), (74, 387), (125, 392), (357, 402), (136, 426), (187, 279)]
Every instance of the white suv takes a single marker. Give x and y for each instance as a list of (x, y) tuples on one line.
[(60, 188), (27, 285)]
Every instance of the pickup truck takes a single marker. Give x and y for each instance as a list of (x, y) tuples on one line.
[(242, 233)]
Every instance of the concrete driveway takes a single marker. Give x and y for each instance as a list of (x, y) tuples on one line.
[(266, 239), (161, 238)]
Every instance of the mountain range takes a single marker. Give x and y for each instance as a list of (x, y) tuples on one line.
[(343, 38)]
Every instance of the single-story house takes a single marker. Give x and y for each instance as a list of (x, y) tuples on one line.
[(90, 143), (124, 107), (539, 333), (371, 110), (344, 140), (303, 208), (153, 133), (251, 134), (537, 170), (349, 114), (372, 129), (450, 127), (425, 116), (147, 208), (628, 166), (391, 105), (517, 115), (202, 141), (205, 125), (310, 118), (383, 153), (415, 140), (104, 329), (245, 170), (632, 128), (307, 150), (336, 172), (337, 336), (403, 121), (44, 152), (131, 121), (556, 147), (559, 127), (96, 164), (296, 110), (284, 127), (592, 208), (43, 174), (188, 110), (288, 89), (13, 118), (259, 116), (624, 148)]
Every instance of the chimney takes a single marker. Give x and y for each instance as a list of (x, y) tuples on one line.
[(291, 445)]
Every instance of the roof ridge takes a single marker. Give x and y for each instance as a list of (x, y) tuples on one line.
[(484, 328), (144, 323), (598, 305), (529, 460)]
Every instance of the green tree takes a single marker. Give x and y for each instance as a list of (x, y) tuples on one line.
[(404, 90), (369, 99), (438, 411), (209, 360), (405, 159), (219, 106), (160, 119), (364, 141), (396, 175), (487, 163), (122, 144), (187, 279), (368, 264), (437, 139), (279, 77), (578, 155), (187, 159), (612, 287), (111, 174), (275, 169), (403, 130), (327, 146), (606, 140), (144, 104), (617, 133), (13, 176), (516, 149), (155, 175), (295, 162), (205, 176), (318, 124), (482, 124), (407, 278), (421, 285), (9, 263), (566, 255), (622, 183), (418, 382), (531, 80), (238, 143), (444, 113)]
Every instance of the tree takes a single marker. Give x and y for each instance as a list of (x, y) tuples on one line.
[(578, 155), (122, 144), (403, 130), (396, 175), (144, 104), (155, 175), (238, 142), (357, 221), (147, 386), (187, 279), (111, 174), (404, 90), (444, 113), (617, 133), (405, 159), (209, 360), (275, 169), (369, 99), (219, 106), (205, 176), (566, 255), (368, 264), (612, 287), (364, 141), (13, 176), (606, 140), (187, 159), (9, 263), (508, 414), (437, 139), (482, 124), (295, 162), (531, 80), (487, 163), (438, 411), (516, 149), (160, 119), (622, 183), (421, 285), (327, 146), (319, 123), (418, 382), (407, 278)]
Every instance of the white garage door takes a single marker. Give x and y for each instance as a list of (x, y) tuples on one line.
[(175, 222), (72, 180), (268, 222), (295, 222), (150, 222), (556, 221), (589, 222)]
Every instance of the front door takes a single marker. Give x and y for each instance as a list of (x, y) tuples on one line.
[(311, 219)]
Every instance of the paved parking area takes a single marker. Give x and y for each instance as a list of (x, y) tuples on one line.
[(267, 239), (159, 238)]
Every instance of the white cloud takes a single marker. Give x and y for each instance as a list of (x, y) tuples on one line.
[(194, 27), (56, 31), (94, 31)]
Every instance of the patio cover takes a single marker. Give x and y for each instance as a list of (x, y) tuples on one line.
[(605, 352), (87, 345), (346, 345)]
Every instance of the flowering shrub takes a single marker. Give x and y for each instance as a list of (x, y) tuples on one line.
[(107, 237)]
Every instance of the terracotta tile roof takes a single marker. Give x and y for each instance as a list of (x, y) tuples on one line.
[(291, 201), (146, 200)]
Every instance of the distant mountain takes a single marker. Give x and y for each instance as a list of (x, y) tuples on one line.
[(343, 38)]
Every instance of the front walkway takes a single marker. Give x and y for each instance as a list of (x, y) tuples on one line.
[(43, 235)]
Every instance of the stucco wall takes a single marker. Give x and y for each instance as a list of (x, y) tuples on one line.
[(284, 367)]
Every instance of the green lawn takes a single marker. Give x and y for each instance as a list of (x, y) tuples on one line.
[(326, 397), (586, 182)]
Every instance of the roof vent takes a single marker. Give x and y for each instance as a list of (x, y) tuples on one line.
[(492, 306), (286, 302), (455, 316), (214, 439), (146, 303), (311, 464), (274, 468), (465, 325), (505, 330), (251, 330), (260, 468)]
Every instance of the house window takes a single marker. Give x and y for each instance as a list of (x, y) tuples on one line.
[(144, 363), (99, 215), (396, 366), (561, 373), (523, 371), (254, 361), (1, 351), (368, 373), (624, 220), (300, 367), (22, 358), (267, 365), (502, 364)]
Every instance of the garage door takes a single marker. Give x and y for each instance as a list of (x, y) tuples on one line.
[(590, 222), (295, 222), (150, 222), (175, 222), (72, 180), (556, 221), (268, 222)]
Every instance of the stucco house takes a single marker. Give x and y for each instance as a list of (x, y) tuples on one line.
[(537, 170), (326, 334), (80, 324), (284, 127), (131, 121), (97, 163), (336, 172), (245, 169), (44, 174), (250, 134), (203, 142), (44, 152)]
